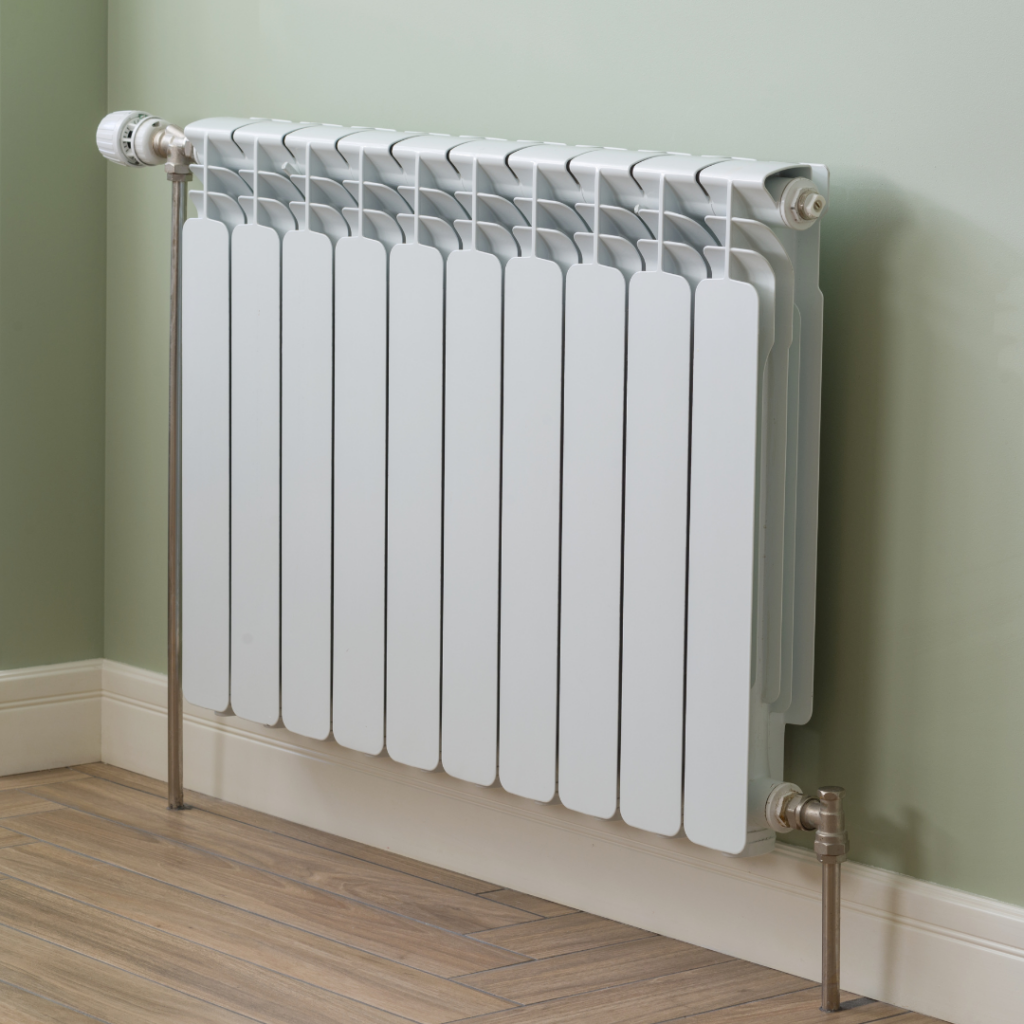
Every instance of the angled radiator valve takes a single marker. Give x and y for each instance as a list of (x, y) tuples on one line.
[(134, 138), (788, 809)]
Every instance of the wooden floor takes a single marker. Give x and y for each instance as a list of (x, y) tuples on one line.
[(113, 908)]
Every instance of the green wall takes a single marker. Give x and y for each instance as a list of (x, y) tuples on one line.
[(916, 108), (52, 312)]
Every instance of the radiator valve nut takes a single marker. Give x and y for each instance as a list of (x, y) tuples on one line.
[(778, 801)]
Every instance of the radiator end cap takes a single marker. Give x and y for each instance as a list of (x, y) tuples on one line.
[(801, 205)]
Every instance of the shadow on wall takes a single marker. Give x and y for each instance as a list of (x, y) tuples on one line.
[(920, 630)]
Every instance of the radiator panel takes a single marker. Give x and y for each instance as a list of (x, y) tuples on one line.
[(255, 472), (595, 335), (724, 467), (530, 526), (206, 462), (307, 343), (415, 411), (472, 489), (360, 488), (654, 552)]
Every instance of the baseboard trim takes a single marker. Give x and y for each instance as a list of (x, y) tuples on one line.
[(50, 715), (954, 955)]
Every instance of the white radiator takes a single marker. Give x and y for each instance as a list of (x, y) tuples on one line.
[(503, 458)]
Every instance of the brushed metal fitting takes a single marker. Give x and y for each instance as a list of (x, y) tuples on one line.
[(831, 840), (788, 809), (170, 143), (824, 816)]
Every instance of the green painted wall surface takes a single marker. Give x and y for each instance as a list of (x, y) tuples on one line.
[(52, 246), (916, 108)]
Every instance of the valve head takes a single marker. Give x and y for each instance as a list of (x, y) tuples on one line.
[(133, 138)]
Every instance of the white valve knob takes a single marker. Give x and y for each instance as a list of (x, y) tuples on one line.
[(119, 135)]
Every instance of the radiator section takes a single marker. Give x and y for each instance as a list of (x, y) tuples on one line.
[(360, 490), (205, 438), (530, 526), (654, 551), (415, 425), (256, 473), (307, 358)]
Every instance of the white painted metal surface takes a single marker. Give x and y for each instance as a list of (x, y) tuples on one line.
[(654, 551), (723, 522), (472, 489), (307, 342), (255, 472), (360, 487), (415, 403), (206, 461), (530, 526), (595, 336)]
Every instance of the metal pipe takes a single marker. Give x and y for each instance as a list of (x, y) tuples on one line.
[(831, 845), (830, 936), (175, 707)]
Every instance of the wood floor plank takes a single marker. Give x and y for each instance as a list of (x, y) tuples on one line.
[(23, 801), (302, 955), (288, 828), (123, 777), (182, 965), (591, 969), (915, 1018), (97, 989), (335, 872), (660, 999), (38, 778), (280, 899), (21, 1007), (556, 935), (792, 1008), (531, 904), (9, 838)]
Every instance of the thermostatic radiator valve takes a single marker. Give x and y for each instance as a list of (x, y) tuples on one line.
[(134, 138)]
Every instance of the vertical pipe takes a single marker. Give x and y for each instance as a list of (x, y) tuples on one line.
[(830, 935), (787, 808), (175, 788)]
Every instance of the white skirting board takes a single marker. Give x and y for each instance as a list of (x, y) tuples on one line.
[(50, 716), (932, 949)]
